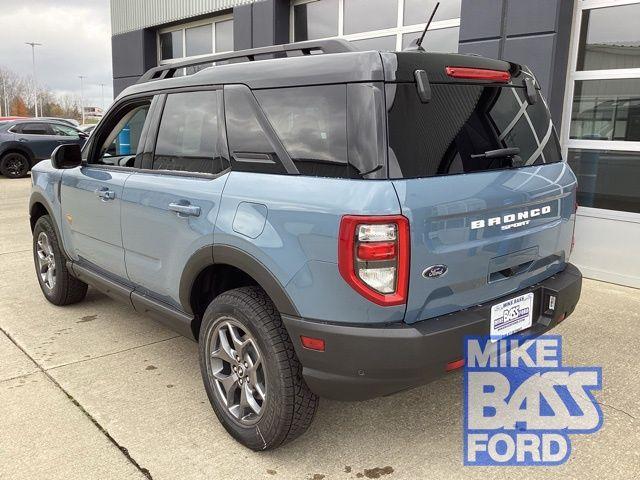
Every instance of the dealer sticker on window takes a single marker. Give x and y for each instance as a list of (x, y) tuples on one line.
[(511, 316)]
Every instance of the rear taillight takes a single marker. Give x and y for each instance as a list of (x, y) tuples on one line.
[(373, 257), (478, 74)]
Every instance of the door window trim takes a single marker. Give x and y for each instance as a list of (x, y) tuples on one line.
[(151, 125), (154, 128), (107, 125)]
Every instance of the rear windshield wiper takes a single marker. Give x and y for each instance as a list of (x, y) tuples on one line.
[(500, 153)]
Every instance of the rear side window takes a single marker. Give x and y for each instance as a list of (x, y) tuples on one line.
[(33, 129), (188, 137), (452, 133), (250, 146), (311, 122)]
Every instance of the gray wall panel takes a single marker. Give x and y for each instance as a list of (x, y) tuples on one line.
[(485, 22), (532, 32), (536, 52), (486, 48), (526, 16)]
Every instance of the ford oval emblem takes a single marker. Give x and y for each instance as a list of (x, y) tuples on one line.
[(435, 271)]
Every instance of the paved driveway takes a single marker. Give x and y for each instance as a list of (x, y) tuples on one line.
[(96, 391)]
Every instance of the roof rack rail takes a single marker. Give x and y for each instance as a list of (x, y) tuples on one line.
[(305, 48)]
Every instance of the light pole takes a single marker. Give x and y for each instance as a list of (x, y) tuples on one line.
[(35, 81), (82, 77), (102, 93)]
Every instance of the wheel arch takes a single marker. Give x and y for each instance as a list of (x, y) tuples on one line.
[(13, 147), (38, 207), (238, 269)]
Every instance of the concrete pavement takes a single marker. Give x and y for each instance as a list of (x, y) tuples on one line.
[(97, 391)]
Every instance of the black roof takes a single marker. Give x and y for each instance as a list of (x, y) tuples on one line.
[(306, 63)]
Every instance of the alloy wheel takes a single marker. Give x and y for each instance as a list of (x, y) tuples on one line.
[(14, 165), (235, 365), (46, 261)]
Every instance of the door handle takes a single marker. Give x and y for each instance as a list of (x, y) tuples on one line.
[(185, 209), (105, 194)]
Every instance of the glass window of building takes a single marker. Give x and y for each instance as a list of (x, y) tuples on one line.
[(315, 20), (377, 24), (367, 15), (199, 40), (418, 11), (171, 45), (224, 36), (601, 129), (195, 39), (609, 38), (443, 40)]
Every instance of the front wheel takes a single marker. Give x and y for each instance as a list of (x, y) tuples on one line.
[(251, 373), (56, 283)]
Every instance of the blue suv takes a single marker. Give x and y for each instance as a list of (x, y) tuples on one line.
[(324, 222)]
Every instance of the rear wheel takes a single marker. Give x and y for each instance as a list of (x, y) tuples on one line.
[(14, 165), (251, 373), (56, 283)]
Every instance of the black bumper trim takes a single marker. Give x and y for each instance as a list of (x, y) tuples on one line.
[(366, 362)]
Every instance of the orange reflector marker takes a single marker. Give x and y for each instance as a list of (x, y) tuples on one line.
[(454, 365), (312, 343), (562, 317)]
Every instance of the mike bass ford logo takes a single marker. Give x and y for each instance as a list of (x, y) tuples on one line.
[(521, 404)]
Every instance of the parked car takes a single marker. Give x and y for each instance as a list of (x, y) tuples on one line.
[(25, 142), (88, 128), (68, 121), (328, 224)]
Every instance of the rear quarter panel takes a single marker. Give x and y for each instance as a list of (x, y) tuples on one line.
[(290, 224)]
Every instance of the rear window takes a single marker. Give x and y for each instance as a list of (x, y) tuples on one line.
[(450, 134), (33, 129)]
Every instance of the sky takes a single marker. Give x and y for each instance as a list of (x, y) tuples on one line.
[(76, 40)]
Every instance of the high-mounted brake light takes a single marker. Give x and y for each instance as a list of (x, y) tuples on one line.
[(478, 74), (373, 257)]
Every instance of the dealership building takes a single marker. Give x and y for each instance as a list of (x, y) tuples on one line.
[(584, 53)]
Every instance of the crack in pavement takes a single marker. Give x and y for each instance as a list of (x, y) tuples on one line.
[(617, 409), (122, 449), (110, 353)]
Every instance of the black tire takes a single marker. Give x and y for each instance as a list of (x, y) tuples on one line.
[(14, 165), (65, 289), (289, 405)]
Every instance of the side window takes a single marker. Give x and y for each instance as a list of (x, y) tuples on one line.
[(36, 129), (64, 131), (251, 150), (311, 122), (188, 137), (120, 145)]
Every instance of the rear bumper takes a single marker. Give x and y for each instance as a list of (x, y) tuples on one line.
[(366, 362)]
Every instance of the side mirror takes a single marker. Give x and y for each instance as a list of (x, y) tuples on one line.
[(66, 156)]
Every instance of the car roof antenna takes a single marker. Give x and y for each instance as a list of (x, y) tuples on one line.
[(417, 44)]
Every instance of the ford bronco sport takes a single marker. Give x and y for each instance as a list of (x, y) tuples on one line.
[(324, 222)]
